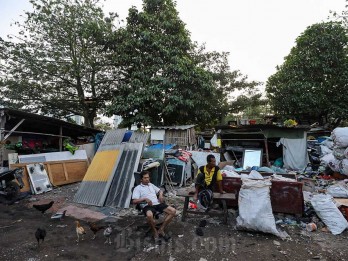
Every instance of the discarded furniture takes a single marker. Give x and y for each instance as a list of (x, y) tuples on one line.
[(286, 197), (221, 198), (59, 172)]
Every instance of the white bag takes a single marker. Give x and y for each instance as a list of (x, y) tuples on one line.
[(230, 174), (328, 143), (255, 175), (344, 167), (325, 150), (327, 158), (340, 137), (255, 210), (338, 152), (329, 213), (346, 153), (338, 191), (334, 164)]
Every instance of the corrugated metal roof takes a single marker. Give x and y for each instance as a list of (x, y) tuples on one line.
[(138, 137), (120, 190), (95, 185), (113, 137), (180, 127)]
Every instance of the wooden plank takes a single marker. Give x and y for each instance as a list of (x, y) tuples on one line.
[(59, 172)]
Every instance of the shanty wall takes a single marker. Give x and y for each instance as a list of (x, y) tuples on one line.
[(180, 137)]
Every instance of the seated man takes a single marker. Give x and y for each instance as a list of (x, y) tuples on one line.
[(147, 193), (208, 176)]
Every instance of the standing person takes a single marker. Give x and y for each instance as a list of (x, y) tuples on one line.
[(153, 199), (208, 176)]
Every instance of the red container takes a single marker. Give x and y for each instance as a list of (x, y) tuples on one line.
[(344, 211)]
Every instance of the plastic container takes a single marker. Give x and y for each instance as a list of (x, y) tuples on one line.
[(311, 227)]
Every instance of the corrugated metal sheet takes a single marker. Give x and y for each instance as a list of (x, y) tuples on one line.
[(95, 185), (180, 127), (120, 190), (138, 137), (113, 137)]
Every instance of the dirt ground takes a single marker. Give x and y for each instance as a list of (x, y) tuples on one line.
[(18, 223)]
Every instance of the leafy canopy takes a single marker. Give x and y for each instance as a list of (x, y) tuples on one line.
[(57, 64), (168, 79), (314, 75)]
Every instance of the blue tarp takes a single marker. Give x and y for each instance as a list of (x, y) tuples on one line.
[(127, 136), (161, 146)]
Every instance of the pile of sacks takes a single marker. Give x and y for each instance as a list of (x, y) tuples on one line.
[(335, 151)]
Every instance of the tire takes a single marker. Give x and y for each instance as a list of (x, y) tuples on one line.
[(12, 189)]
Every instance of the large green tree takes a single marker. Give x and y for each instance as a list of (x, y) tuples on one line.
[(313, 79), (167, 78), (58, 63), (161, 82)]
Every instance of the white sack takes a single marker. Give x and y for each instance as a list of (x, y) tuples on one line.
[(229, 168), (278, 177), (338, 191), (230, 174), (328, 143), (346, 153), (325, 150), (329, 213), (255, 175), (334, 164), (340, 137), (327, 158), (338, 152), (255, 210), (344, 167)]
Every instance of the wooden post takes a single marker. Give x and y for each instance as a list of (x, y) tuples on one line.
[(2, 135), (266, 151), (60, 138)]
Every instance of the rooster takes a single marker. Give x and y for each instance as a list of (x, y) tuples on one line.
[(43, 207), (107, 234), (95, 228), (40, 234), (79, 231)]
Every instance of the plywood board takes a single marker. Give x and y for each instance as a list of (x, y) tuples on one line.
[(59, 172), (53, 156)]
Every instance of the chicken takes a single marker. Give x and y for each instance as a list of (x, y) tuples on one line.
[(40, 234), (95, 228), (59, 215), (107, 234), (43, 207), (79, 231)]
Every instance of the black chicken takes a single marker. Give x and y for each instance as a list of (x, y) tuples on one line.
[(95, 228), (40, 234), (43, 207)]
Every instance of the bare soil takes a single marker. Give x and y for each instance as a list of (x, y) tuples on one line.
[(18, 223)]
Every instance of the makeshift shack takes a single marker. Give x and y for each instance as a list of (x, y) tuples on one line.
[(183, 136), (29, 133), (273, 141)]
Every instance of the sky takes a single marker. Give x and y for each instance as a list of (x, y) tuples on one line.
[(258, 34)]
